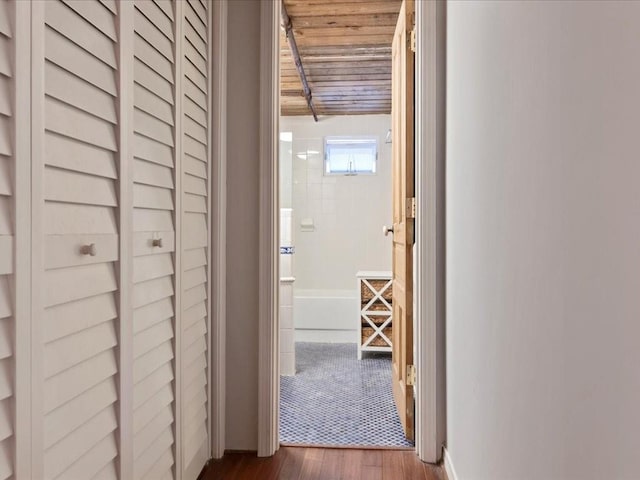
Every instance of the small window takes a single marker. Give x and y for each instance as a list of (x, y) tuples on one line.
[(350, 155)]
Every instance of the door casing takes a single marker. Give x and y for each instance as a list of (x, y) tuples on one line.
[(429, 317)]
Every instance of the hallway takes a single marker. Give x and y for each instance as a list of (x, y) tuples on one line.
[(296, 463)]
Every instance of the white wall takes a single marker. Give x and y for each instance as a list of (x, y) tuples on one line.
[(242, 224), (348, 213), (543, 231)]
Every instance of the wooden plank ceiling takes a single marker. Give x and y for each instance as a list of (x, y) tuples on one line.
[(345, 49)]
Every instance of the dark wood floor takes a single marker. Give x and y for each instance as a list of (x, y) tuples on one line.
[(301, 463)]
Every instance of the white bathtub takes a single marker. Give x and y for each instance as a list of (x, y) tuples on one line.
[(325, 315)]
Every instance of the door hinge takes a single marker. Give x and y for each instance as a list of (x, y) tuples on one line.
[(411, 207), (413, 40), (411, 375)]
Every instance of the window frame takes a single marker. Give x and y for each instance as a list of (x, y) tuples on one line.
[(353, 140)]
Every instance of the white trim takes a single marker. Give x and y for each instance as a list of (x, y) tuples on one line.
[(125, 182), (37, 237), (22, 238), (429, 248), (219, 221), (209, 223), (268, 346), (448, 466), (429, 299), (178, 175)]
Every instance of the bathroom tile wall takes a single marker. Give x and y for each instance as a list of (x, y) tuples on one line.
[(347, 212), (287, 342)]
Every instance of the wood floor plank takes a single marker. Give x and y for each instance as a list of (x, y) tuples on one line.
[(372, 458), (292, 465), (413, 470), (392, 465), (312, 463), (332, 464), (353, 464), (433, 472), (371, 472)]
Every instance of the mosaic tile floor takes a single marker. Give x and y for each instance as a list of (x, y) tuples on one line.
[(336, 399)]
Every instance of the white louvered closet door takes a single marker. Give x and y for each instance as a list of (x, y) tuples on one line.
[(80, 233), (104, 239), (154, 168), (195, 236), (7, 240)]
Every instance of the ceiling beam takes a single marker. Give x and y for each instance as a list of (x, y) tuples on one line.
[(296, 58)]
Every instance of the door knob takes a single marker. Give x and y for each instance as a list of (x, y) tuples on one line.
[(386, 230), (156, 242), (89, 250)]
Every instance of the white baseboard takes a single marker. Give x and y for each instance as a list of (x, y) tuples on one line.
[(326, 336), (448, 467)]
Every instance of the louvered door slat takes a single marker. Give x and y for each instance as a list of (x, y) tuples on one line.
[(157, 402), (156, 198), (194, 38), (108, 472), (152, 34), (145, 389), (66, 153), (153, 313), (147, 54), (72, 447), (167, 8), (5, 61), (153, 81), (110, 5), (75, 28), (156, 427), (80, 94), (193, 92), (195, 241), (61, 388), (158, 448), (69, 318), (73, 187), (148, 173), (5, 21), (148, 362), (196, 22), (152, 337), (95, 14), (7, 239), (154, 219), (64, 420), (80, 334), (95, 460), (79, 62), (147, 101), (158, 17), (195, 167), (5, 96), (163, 464)]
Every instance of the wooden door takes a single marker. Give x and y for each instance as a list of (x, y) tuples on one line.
[(403, 223)]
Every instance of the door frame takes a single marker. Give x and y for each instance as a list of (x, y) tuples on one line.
[(218, 335), (429, 297)]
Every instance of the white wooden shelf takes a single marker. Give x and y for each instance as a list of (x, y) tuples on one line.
[(375, 311)]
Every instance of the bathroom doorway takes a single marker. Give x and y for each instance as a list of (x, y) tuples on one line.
[(335, 290), (427, 393)]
